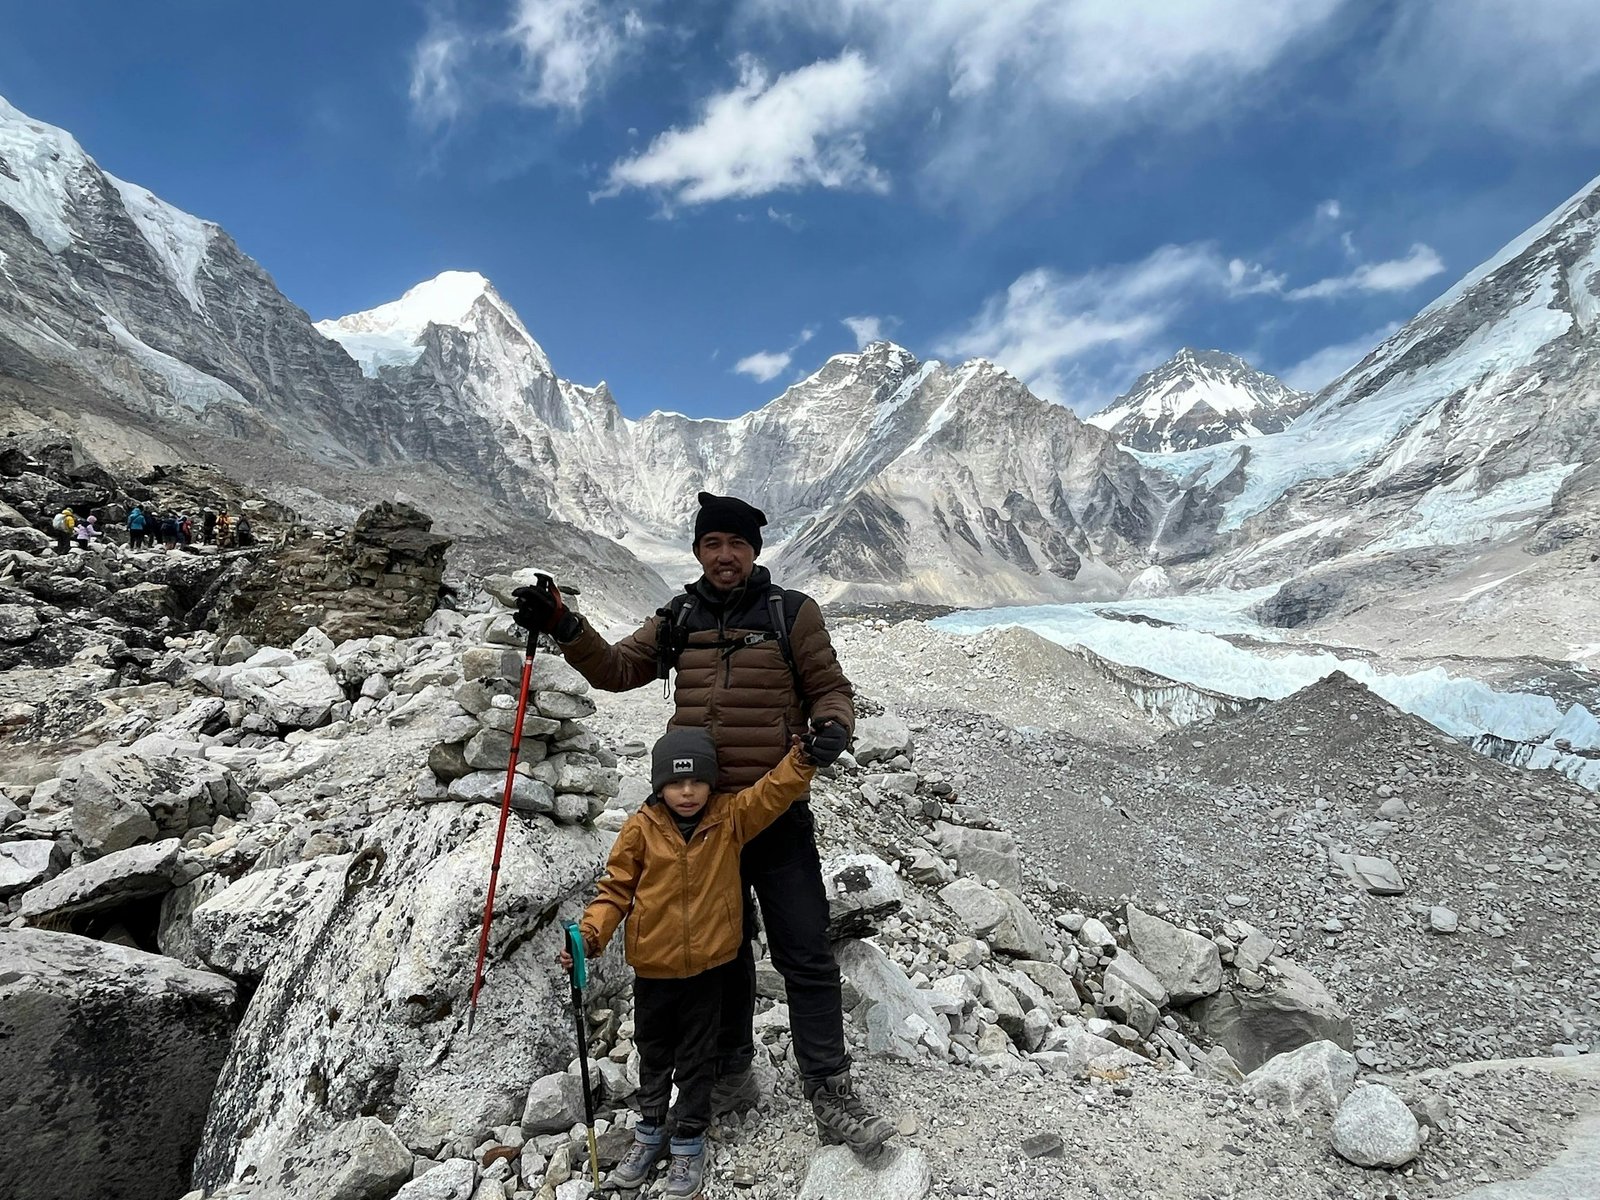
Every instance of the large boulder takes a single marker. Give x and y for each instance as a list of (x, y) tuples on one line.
[(880, 739), (107, 1065), (241, 929), (1313, 1078), (986, 853), (23, 864), (300, 695), (363, 1008), (897, 1015), (1374, 1128), (898, 1173), (862, 889), (997, 916), (157, 787), (1189, 966), (358, 1160), (105, 882), (18, 623), (1254, 1026)]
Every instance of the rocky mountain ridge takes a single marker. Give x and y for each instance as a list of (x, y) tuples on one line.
[(1199, 398)]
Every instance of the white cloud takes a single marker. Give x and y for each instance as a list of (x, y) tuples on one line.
[(555, 54), (1067, 335), (1317, 370), (1012, 93), (1528, 68), (1396, 275), (787, 219), (765, 135), (1329, 211), (764, 365), (866, 329)]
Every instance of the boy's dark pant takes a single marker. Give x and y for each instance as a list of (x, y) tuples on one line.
[(675, 1028), (782, 865)]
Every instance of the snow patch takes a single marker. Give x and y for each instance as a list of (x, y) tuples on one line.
[(48, 165), (180, 240), (1450, 514), (189, 386)]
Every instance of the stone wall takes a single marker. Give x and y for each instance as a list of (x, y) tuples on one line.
[(383, 576)]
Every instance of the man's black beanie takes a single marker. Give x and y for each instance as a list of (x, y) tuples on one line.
[(729, 514), (683, 754)]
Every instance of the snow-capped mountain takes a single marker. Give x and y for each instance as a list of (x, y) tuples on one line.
[(1477, 423), (1199, 398)]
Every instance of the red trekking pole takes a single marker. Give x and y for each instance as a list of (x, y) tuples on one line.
[(505, 809)]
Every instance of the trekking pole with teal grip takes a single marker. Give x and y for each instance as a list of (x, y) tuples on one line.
[(580, 979)]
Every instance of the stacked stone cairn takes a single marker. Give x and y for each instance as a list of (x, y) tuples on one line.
[(563, 772)]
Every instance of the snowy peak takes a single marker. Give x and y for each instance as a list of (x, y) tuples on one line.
[(390, 335), (1199, 398)]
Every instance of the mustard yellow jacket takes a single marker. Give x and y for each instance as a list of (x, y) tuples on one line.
[(682, 899)]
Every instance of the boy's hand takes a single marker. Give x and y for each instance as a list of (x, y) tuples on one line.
[(796, 746), (566, 959)]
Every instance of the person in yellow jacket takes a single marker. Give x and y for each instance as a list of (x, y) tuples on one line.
[(673, 875)]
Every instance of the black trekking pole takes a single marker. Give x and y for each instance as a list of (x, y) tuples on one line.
[(580, 978), (505, 813)]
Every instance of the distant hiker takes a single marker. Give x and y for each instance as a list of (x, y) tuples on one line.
[(224, 531), (169, 532), (185, 529), (63, 525), (673, 875), (753, 662), (87, 532), (208, 525), (136, 523), (242, 533)]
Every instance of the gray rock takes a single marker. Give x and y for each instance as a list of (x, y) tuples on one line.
[(23, 864), (1377, 875), (554, 1104), (563, 706), (489, 750), (1312, 1078), (1128, 968), (1189, 966), (1374, 1128), (997, 916), (300, 695), (105, 882), (1442, 919), (18, 623), (1255, 1026), (898, 1173), (1008, 1010), (1122, 1000), (1055, 981), (242, 929), (236, 649), (120, 797), (69, 1089), (452, 1179), (861, 889), (359, 1160), (985, 853), (533, 725), (880, 739), (488, 787), (1254, 951), (898, 1016)]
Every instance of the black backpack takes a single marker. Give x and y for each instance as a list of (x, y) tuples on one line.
[(672, 635)]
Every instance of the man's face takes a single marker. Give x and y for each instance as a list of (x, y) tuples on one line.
[(686, 796), (726, 558)]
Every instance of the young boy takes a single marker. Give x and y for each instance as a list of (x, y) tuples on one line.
[(674, 875)]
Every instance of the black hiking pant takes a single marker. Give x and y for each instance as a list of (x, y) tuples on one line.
[(675, 1029), (782, 865)]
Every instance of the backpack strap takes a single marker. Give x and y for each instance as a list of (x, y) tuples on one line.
[(672, 634), (782, 622)]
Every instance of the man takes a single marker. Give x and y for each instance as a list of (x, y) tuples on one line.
[(735, 680)]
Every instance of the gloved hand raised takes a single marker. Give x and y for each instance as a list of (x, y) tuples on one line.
[(540, 608), (826, 740)]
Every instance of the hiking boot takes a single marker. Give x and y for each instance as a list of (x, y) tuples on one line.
[(687, 1174), (843, 1119), (738, 1092), (635, 1166)]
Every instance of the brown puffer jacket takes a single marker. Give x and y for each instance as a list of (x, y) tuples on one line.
[(682, 900), (732, 680)]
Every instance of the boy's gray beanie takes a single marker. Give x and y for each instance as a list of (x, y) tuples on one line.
[(683, 754)]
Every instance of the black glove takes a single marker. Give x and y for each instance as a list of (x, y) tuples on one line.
[(541, 609), (825, 742)]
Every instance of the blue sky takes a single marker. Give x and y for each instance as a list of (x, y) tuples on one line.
[(701, 200)]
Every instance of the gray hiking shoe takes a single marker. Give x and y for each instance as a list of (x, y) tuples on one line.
[(843, 1119), (735, 1093), (635, 1166), (687, 1174)]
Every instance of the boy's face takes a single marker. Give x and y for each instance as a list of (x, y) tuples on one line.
[(686, 796)]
